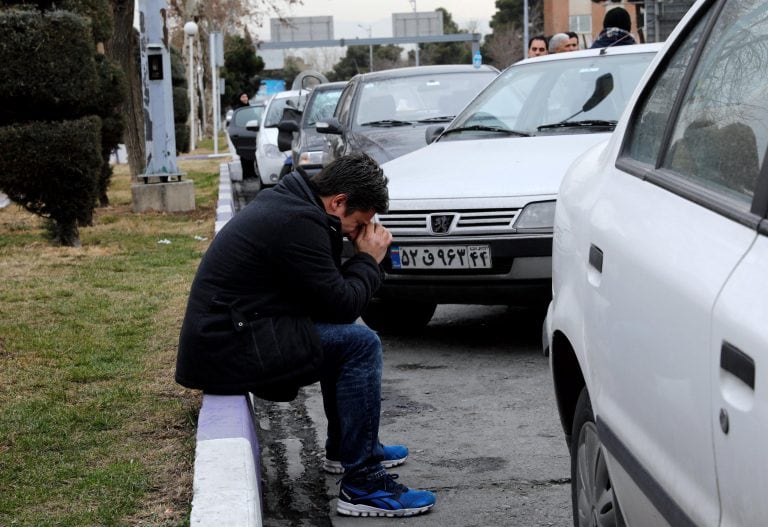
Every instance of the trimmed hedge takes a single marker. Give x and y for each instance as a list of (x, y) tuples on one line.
[(48, 67), (52, 168)]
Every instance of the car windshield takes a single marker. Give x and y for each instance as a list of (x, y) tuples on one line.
[(276, 107), (321, 106), (547, 97), (247, 113), (423, 98)]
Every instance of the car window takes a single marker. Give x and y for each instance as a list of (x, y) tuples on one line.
[(345, 102), (721, 132), (418, 98), (647, 132), (249, 113), (321, 107), (275, 111), (537, 97)]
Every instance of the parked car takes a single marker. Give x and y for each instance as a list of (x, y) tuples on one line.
[(471, 214), (269, 158), (657, 328), (244, 139), (384, 113), (305, 142)]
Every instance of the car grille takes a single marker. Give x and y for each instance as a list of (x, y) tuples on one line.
[(459, 223)]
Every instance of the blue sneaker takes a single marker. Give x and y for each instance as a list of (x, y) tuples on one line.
[(394, 455), (378, 494)]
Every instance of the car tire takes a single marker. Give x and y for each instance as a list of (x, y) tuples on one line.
[(249, 168), (594, 501), (387, 316)]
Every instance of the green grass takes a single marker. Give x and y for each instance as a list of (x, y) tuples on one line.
[(93, 429)]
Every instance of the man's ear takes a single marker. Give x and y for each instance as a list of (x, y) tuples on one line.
[(338, 201)]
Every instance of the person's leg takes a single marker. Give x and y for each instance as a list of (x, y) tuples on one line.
[(351, 386)]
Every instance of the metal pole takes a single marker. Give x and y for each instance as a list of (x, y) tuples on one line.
[(525, 28), (214, 93), (191, 81)]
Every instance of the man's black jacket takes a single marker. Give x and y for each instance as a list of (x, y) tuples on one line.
[(280, 255)]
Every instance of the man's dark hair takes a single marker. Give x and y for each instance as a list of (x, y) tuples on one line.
[(358, 176), (538, 37), (572, 34)]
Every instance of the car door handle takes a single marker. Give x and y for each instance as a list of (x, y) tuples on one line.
[(596, 257), (738, 363)]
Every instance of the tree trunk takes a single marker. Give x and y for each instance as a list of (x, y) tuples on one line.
[(123, 48)]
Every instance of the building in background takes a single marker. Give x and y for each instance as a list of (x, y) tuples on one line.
[(652, 20)]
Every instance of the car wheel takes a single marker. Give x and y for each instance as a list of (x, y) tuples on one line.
[(249, 168), (388, 316), (594, 502)]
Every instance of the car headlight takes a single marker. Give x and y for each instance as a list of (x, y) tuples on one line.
[(536, 217), (272, 151), (311, 158)]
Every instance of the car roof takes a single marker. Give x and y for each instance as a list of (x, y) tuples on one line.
[(329, 86), (612, 50), (415, 71)]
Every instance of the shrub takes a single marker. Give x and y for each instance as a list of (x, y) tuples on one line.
[(52, 169)]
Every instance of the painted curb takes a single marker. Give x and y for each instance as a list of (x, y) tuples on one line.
[(227, 473)]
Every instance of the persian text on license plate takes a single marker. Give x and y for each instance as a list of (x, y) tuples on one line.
[(441, 257)]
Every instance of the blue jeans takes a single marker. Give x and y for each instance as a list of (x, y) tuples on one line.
[(351, 386)]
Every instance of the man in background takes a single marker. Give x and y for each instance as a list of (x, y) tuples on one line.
[(537, 46), (560, 43), (616, 27)]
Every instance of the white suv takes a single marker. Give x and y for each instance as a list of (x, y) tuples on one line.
[(471, 214), (659, 317)]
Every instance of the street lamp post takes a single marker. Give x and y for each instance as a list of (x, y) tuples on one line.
[(369, 29), (190, 29)]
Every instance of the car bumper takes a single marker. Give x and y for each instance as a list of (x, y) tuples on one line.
[(521, 274)]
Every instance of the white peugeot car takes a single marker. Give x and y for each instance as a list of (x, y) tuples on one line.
[(269, 158), (658, 328), (471, 214)]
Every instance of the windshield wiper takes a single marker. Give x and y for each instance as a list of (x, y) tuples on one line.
[(442, 119), (483, 128), (387, 122), (579, 124)]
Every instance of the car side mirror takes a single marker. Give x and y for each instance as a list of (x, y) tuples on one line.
[(252, 126), (433, 132), (329, 126), (603, 87)]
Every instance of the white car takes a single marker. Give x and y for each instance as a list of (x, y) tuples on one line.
[(658, 325), (471, 214), (269, 158)]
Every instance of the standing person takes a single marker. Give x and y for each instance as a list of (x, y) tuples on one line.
[(573, 40), (242, 100), (560, 43), (537, 46), (616, 27), (272, 308)]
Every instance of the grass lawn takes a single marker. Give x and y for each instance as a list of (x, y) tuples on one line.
[(93, 428)]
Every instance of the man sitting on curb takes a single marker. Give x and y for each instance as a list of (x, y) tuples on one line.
[(272, 308)]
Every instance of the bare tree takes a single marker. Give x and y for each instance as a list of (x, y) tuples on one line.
[(506, 46)]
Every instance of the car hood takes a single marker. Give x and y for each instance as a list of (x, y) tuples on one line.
[(384, 144), (486, 168)]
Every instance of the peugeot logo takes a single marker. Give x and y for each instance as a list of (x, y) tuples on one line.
[(441, 223)]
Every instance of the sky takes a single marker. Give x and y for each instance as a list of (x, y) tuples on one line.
[(349, 15)]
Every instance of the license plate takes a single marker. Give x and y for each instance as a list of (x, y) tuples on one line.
[(441, 257)]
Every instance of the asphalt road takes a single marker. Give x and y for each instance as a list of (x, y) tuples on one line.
[(472, 398)]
